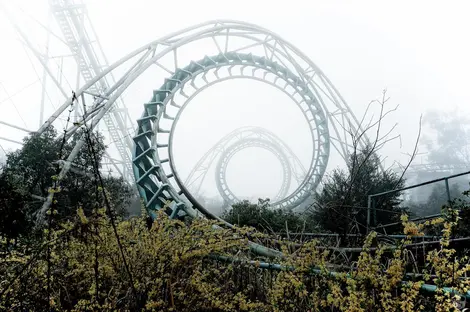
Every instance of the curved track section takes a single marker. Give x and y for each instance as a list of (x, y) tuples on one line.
[(239, 50), (154, 180), (215, 155), (221, 168)]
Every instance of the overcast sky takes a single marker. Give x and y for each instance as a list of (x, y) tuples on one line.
[(418, 50)]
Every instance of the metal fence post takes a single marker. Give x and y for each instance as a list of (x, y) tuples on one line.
[(447, 191), (369, 201), (374, 213)]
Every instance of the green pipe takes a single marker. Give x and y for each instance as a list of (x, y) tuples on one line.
[(278, 267)]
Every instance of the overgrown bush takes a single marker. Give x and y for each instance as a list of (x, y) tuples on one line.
[(341, 205), (29, 172), (265, 219), (176, 267)]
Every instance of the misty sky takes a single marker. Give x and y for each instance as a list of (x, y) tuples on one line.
[(418, 50)]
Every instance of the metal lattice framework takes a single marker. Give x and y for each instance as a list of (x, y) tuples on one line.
[(236, 141), (434, 168), (239, 65), (243, 50), (78, 35), (279, 64), (221, 171)]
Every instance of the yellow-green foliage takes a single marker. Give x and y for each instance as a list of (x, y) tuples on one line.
[(172, 270)]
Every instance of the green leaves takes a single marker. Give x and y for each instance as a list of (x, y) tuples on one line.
[(261, 217), (173, 270), (33, 170), (341, 206)]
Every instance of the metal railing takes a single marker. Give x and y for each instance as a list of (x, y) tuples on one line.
[(371, 201)]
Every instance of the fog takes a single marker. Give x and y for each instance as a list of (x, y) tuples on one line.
[(416, 50), (446, 142)]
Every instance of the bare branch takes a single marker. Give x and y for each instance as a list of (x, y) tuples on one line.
[(364, 116), (415, 151)]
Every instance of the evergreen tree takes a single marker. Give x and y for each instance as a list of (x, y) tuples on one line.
[(30, 171), (341, 206)]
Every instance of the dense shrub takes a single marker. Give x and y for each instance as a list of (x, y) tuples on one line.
[(341, 205), (175, 267), (265, 219)]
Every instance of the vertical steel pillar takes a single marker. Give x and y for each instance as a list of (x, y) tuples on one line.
[(44, 70)]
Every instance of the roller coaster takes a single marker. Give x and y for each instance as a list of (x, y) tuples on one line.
[(238, 50)]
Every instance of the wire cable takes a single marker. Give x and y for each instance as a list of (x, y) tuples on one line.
[(14, 105), (18, 91)]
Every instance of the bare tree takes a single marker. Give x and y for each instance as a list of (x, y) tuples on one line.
[(364, 156)]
